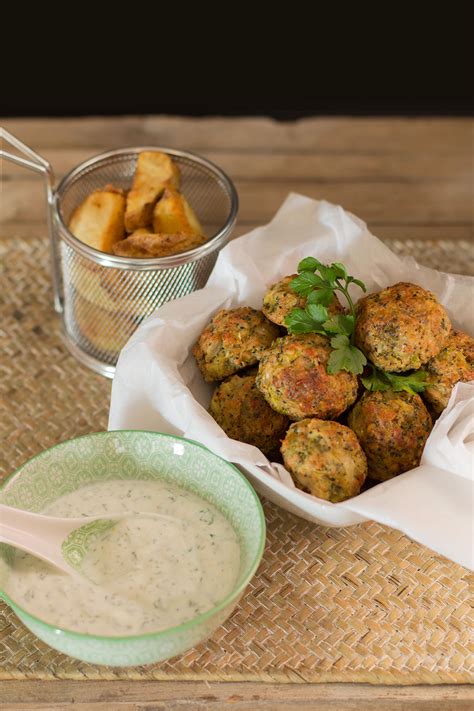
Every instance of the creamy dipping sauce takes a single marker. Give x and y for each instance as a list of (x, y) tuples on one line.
[(153, 573)]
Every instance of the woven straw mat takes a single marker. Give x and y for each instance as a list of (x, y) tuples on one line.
[(361, 604)]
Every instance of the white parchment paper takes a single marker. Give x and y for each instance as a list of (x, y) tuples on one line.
[(157, 385)]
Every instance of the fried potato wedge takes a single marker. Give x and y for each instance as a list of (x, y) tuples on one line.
[(173, 214), (155, 172), (99, 220), (144, 244)]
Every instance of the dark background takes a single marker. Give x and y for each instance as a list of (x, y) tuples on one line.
[(398, 105), (425, 87), (338, 66)]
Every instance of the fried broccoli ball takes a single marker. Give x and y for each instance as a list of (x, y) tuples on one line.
[(401, 328), (234, 339), (280, 299), (293, 378), (465, 343), (453, 364), (392, 428), (324, 459), (244, 414)]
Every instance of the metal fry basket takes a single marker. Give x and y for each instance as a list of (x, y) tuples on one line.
[(102, 298)]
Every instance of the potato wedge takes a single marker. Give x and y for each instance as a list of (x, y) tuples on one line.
[(173, 214), (155, 172), (144, 244), (99, 220), (105, 329)]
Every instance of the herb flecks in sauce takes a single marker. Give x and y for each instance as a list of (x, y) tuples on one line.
[(153, 573)]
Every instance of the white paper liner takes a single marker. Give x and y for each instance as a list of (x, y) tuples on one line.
[(157, 385)]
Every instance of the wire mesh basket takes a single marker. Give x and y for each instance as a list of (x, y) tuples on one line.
[(102, 297)]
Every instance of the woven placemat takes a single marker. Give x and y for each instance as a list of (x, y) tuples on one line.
[(358, 604)]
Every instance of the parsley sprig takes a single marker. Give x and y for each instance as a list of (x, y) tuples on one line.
[(378, 379), (319, 283)]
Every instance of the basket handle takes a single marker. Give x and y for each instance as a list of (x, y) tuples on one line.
[(33, 161)]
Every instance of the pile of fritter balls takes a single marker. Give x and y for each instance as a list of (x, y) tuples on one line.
[(332, 433)]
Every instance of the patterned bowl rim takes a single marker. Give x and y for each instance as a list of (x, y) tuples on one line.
[(195, 621)]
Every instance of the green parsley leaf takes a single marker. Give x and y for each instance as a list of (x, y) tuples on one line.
[(380, 380), (319, 283), (376, 381), (341, 323), (358, 282), (309, 264), (345, 357), (317, 312), (414, 383), (298, 321), (339, 269), (321, 296), (340, 341), (305, 283), (328, 274)]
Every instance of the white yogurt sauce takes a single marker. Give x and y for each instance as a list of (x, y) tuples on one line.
[(153, 573)]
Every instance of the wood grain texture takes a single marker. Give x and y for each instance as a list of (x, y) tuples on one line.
[(442, 202), (244, 696), (295, 165), (347, 135), (408, 178), (34, 230)]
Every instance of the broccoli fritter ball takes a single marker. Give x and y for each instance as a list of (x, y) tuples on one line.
[(293, 378), (401, 328), (234, 339), (324, 459), (465, 343), (392, 428), (244, 414), (453, 364), (280, 299)]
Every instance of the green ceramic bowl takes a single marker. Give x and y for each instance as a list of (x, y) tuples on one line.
[(137, 455)]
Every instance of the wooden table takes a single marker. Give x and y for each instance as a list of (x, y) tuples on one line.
[(408, 178)]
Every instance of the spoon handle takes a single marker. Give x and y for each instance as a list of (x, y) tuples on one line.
[(31, 533), (43, 535)]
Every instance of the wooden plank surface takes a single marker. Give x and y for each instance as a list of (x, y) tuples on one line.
[(408, 178), (348, 135), (201, 696), (442, 202), (294, 165), (31, 230)]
